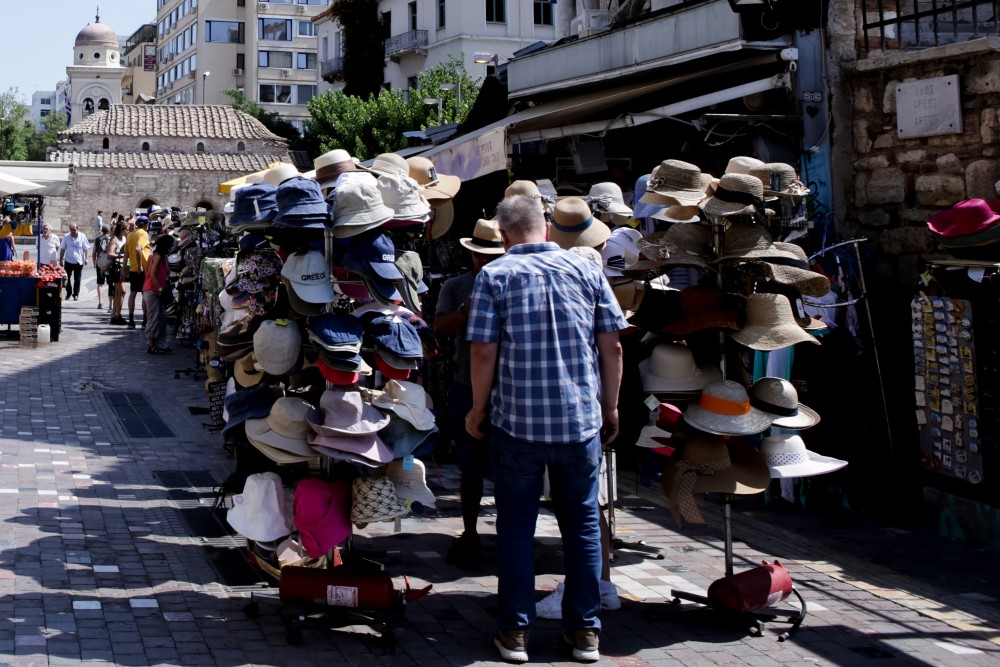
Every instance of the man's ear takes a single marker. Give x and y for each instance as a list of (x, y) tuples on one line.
[(505, 240)]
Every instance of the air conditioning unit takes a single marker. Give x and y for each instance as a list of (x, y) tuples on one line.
[(302, 9), (262, 6), (237, 71), (590, 21), (286, 72)]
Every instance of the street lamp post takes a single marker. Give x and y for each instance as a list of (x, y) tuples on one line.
[(457, 87), (204, 79), (437, 101), (488, 59)]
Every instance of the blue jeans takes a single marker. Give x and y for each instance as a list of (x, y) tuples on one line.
[(518, 467)]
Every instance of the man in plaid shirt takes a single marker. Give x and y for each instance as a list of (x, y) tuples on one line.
[(546, 361)]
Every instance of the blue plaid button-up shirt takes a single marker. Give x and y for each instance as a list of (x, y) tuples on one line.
[(543, 306)]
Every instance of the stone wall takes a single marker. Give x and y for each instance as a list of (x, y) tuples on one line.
[(127, 144)]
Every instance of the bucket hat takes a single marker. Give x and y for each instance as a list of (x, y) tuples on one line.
[(251, 403), (436, 186), (407, 400), (573, 224), (277, 344), (620, 251), (671, 367), (256, 203), (322, 514), (368, 446), (262, 512), (485, 238), (675, 182), (309, 276), (786, 456), (608, 197), (345, 413), (389, 164), (301, 204), (374, 499), (681, 245), (736, 194), (280, 173), (777, 397), (411, 482), (780, 180), (770, 324), (724, 409), (403, 439), (357, 208), (284, 428), (679, 214), (710, 464), (967, 217), (402, 195), (245, 371), (702, 308)]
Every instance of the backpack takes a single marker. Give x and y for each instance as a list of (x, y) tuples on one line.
[(102, 252)]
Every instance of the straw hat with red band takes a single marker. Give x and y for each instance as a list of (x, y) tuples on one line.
[(724, 409), (777, 397)]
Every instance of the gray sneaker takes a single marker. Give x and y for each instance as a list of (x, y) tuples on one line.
[(513, 645), (585, 644)]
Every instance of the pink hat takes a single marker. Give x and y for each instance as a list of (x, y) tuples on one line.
[(322, 514), (964, 218), (368, 446)]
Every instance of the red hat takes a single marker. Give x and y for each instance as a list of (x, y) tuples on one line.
[(335, 376), (388, 371), (964, 218)]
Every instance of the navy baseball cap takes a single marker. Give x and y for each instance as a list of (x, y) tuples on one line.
[(397, 336), (379, 254), (336, 331)]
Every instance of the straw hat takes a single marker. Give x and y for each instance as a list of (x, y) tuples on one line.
[(390, 164), (485, 238), (724, 409), (778, 397), (784, 176), (745, 240), (608, 197), (681, 245), (794, 297), (679, 181), (787, 456), (437, 186), (574, 225), (330, 165), (737, 194), (770, 324), (245, 371), (742, 164), (374, 499), (709, 464), (794, 273), (678, 213), (280, 173), (527, 188), (671, 367), (444, 217)]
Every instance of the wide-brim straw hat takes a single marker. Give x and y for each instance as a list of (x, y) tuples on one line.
[(736, 194), (573, 224), (784, 175), (787, 456), (436, 186), (724, 409), (680, 181), (770, 324), (777, 397), (671, 368), (744, 241), (795, 272), (679, 214), (485, 239), (246, 374), (444, 217), (681, 245), (746, 473), (743, 164), (608, 197)]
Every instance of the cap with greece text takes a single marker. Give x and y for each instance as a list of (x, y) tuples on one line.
[(309, 276), (380, 255), (396, 335)]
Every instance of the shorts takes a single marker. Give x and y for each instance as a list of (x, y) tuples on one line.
[(101, 278), (136, 279)]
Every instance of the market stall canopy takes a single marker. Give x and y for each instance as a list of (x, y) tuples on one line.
[(52, 178), (224, 188)]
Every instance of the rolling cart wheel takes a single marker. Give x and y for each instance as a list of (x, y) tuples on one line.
[(783, 636), (757, 629), (251, 610), (294, 636)]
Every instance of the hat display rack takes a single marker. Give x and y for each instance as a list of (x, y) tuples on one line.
[(319, 333)]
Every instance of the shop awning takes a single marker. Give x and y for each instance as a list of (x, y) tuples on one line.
[(54, 176)]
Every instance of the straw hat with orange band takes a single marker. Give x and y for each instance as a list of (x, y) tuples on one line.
[(724, 409)]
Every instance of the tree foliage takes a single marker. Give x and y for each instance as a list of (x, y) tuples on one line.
[(15, 126), (364, 52), (271, 120), (46, 136), (368, 127)]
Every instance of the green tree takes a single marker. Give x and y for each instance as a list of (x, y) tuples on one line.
[(15, 127), (271, 120), (364, 51), (429, 82), (46, 136)]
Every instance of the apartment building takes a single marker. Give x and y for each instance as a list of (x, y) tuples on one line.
[(139, 58), (267, 50), (43, 102), (420, 34)]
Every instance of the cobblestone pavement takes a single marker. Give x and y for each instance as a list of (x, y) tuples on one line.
[(102, 560)]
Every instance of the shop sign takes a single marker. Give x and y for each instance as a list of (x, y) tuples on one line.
[(149, 58), (474, 158), (928, 107)]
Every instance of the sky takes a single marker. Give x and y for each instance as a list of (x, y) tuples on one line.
[(38, 37)]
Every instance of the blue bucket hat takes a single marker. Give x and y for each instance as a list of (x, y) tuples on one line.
[(252, 403), (640, 210), (300, 204), (404, 440), (244, 210), (335, 331), (397, 336)]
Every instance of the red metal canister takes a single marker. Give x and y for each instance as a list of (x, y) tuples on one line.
[(763, 586), (338, 587)]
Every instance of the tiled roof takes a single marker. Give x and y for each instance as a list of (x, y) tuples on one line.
[(301, 160), (234, 162), (172, 120)]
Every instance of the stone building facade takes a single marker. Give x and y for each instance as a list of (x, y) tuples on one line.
[(134, 156)]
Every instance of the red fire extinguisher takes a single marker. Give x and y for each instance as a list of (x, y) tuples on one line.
[(763, 586), (341, 587)]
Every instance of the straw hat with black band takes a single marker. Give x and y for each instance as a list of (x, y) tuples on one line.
[(675, 182), (737, 194), (780, 180), (485, 238), (777, 397), (770, 324), (573, 224)]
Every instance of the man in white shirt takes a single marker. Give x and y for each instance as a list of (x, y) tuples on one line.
[(98, 222), (48, 250), (73, 256)]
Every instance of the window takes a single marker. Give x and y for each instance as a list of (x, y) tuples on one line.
[(200, 148), (241, 60), (496, 11), (305, 60), (274, 59), (274, 29), (307, 29), (412, 13), (270, 93), (313, 2), (543, 12), (304, 94), (106, 144), (412, 83), (386, 25), (240, 146), (241, 3), (224, 31), (145, 145), (441, 13)]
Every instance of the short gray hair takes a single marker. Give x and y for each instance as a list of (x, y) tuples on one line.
[(521, 214)]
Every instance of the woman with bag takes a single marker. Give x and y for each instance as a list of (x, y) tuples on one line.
[(117, 271), (100, 259), (157, 296)]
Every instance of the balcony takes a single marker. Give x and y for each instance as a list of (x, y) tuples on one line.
[(414, 41), (332, 70)]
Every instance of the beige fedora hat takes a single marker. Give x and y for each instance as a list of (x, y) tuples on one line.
[(573, 224), (485, 238)]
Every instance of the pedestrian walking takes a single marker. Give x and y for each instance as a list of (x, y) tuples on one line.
[(155, 291), (546, 366), (137, 251), (98, 222), (101, 263), (73, 257), (48, 249), (117, 271)]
